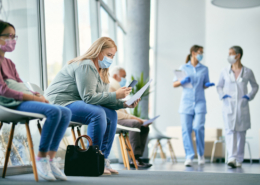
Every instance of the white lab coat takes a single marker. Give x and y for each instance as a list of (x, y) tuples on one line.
[(236, 109)]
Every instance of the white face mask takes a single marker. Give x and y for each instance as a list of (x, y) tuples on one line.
[(231, 59)]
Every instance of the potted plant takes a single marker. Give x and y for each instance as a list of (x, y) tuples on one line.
[(140, 83)]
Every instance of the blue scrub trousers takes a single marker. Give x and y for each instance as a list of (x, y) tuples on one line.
[(194, 122)]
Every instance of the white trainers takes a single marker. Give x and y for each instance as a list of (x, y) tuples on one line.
[(232, 163), (44, 169), (58, 174), (109, 168), (238, 164), (201, 160), (188, 162)]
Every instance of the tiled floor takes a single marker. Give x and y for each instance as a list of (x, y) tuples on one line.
[(158, 165)]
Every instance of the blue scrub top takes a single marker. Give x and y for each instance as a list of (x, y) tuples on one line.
[(193, 99)]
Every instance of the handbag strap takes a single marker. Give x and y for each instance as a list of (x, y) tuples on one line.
[(85, 136)]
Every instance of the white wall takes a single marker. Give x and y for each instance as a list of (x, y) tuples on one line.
[(225, 28), (180, 25), (184, 23)]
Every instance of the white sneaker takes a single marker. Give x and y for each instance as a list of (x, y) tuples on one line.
[(201, 160), (232, 163), (188, 162), (238, 164), (44, 169), (58, 174)]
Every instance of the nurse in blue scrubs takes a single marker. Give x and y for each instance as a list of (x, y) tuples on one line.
[(193, 103)]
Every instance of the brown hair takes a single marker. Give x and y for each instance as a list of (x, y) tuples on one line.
[(194, 48), (93, 52)]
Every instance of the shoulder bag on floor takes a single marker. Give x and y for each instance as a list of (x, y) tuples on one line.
[(79, 162)]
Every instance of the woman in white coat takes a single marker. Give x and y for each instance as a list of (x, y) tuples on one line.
[(232, 90)]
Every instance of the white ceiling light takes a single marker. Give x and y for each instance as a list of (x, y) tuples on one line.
[(236, 3)]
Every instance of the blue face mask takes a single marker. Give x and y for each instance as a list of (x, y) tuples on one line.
[(199, 57), (122, 82), (105, 63)]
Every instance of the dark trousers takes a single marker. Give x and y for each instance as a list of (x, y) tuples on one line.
[(137, 139)]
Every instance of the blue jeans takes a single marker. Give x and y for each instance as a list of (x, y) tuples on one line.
[(57, 121), (101, 123), (194, 122)]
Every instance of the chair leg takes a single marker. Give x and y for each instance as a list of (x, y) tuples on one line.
[(131, 153), (81, 140), (73, 134), (213, 152), (171, 150), (122, 150), (153, 150), (64, 139), (29, 138), (226, 154), (249, 151), (174, 156), (8, 149), (125, 152), (5, 146), (161, 150), (1, 124), (39, 127)]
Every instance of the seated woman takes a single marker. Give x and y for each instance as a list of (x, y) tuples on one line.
[(82, 86), (57, 117)]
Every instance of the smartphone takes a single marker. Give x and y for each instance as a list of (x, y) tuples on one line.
[(133, 83)]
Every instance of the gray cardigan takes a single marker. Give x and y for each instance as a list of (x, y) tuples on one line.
[(81, 81)]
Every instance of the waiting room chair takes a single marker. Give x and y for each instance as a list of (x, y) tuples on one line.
[(222, 140), (13, 117), (158, 136), (72, 124), (125, 144)]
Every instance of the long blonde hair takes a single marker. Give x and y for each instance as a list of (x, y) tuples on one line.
[(93, 52)]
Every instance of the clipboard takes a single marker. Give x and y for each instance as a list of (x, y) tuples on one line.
[(180, 76), (138, 94)]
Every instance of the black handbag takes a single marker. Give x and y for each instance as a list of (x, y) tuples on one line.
[(79, 162)]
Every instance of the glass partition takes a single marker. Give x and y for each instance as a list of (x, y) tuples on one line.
[(60, 35)]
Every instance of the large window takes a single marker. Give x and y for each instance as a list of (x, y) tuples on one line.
[(110, 4), (60, 35), (121, 11), (50, 33), (23, 15), (152, 55), (84, 25), (107, 25), (112, 26), (120, 47)]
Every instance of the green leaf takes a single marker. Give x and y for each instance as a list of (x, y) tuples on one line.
[(140, 83)]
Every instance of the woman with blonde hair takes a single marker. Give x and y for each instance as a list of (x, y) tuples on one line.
[(82, 86)]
